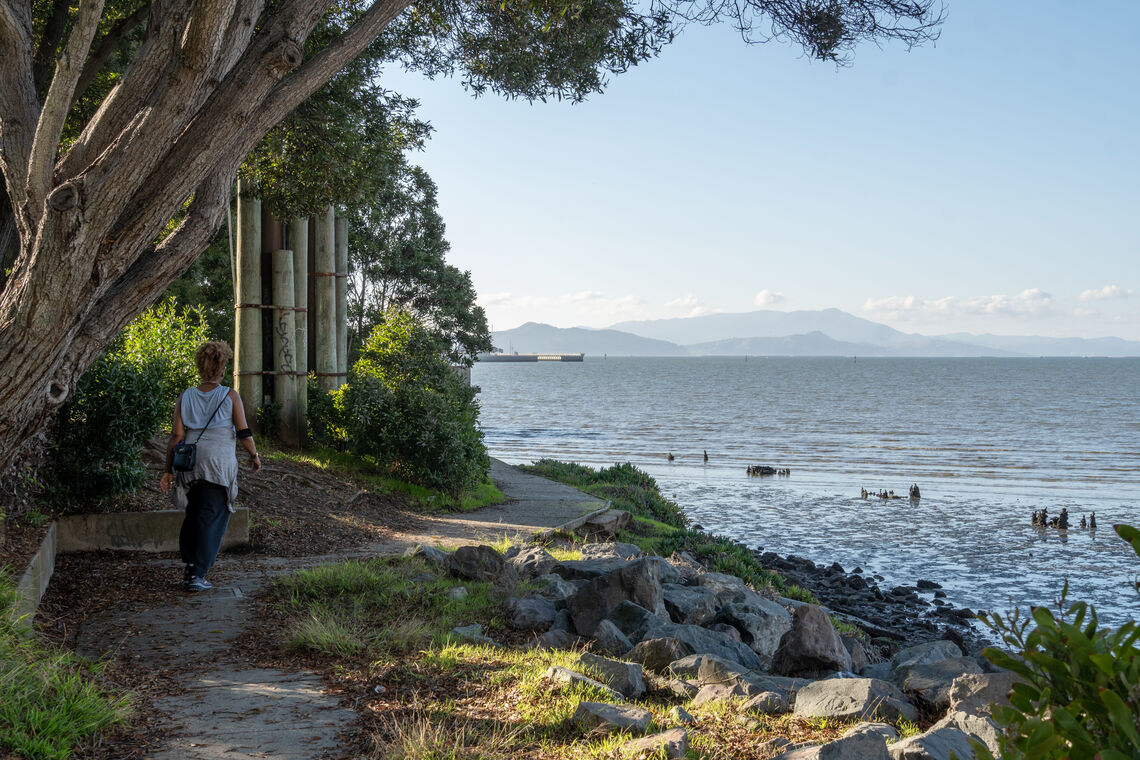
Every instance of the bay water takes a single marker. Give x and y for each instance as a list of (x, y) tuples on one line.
[(988, 441)]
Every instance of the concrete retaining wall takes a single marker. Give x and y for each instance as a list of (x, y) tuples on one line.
[(138, 531), (34, 582)]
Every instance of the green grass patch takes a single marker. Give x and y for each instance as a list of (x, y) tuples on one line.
[(660, 526), (51, 702), (363, 468)]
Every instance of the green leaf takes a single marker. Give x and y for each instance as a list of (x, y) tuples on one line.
[(1122, 718), (1129, 534), (1105, 662)]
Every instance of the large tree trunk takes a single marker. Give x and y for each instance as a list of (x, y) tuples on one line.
[(91, 222)]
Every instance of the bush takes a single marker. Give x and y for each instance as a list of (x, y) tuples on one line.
[(1081, 695), (121, 401), (407, 409)]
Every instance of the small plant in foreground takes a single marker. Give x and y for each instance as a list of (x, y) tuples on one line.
[(1081, 694)]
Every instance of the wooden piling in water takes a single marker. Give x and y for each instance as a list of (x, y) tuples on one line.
[(247, 310)]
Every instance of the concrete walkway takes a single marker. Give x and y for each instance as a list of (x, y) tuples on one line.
[(224, 707)]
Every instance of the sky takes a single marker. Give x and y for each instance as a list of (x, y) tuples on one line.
[(988, 183)]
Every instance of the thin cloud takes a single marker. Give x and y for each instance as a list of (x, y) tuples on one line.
[(692, 305), (1030, 301), (768, 297), (1107, 293)]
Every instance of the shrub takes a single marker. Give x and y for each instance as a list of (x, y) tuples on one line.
[(122, 400), (1081, 695), (406, 408)]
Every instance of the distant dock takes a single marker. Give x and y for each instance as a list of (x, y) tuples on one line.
[(517, 357)]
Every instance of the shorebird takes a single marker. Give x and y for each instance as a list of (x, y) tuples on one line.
[(670, 456)]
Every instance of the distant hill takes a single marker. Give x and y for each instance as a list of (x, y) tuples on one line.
[(829, 332), (535, 337)]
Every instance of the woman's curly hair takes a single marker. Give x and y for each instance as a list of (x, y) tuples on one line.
[(211, 358)]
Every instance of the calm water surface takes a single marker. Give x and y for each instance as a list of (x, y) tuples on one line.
[(987, 440)]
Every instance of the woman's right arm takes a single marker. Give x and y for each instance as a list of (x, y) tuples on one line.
[(177, 433), (244, 435)]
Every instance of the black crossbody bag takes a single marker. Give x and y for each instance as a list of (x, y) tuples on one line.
[(186, 454)]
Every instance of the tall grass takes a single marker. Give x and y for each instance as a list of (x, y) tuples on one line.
[(51, 701)]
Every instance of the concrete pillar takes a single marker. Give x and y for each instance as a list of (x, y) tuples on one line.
[(323, 300), (299, 242), (247, 314), (342, 300), (284, 346)]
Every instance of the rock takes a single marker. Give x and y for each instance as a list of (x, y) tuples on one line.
[(885, 730), (673, 743), (880, 670), (727, 630), (561, 621), (556, 587), (607, 717), (728, 588), (715, 670), (534, 613), (812, 646), (858, 653), (556, 638), (681, 688), (430, 553), (474, 634), (638, 624), (567, 676), (862, 698), (625, 677), (654, 654), (638, 583), (927, 585), (457, 592), (681, 716), (930, 682), (690, 605), (767, 703), (775, 744), (931, 651), (611, 549), (855, 747), (611, 521), (610, 640), (482, 563), (688, 666), (531, 562), (979, 727), (974, 694), (935, 744), (719, 692), (761, 622), (587, 569)]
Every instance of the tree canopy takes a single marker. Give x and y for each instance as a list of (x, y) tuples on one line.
[(123, 124)]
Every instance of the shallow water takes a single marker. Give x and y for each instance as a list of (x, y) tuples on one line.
[(987, 440)]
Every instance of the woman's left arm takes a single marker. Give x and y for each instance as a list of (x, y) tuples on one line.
[(243, 432)]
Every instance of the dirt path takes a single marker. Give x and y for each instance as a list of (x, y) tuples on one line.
[(215, 702)]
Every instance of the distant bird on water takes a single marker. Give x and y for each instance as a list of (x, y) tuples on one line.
[(706, 457), (670, 456)]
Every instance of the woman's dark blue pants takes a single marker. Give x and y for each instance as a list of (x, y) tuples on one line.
[(207, 516)]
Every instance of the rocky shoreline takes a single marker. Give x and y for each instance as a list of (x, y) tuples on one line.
[(897, 617)]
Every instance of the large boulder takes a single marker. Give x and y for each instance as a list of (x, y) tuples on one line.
[(979, 727), (610, 640), (654, 654), (639, 624), (922, 654), (606, 717), (931, 682), (482, 563), (767, 703), (611, 521), (610, 549), (625, 677), (812, 646), (849, 698), (429, 553), (638, 582), (762, 623), (944, 743), (555, 587), (588, 569), (530, 614), (885, 730), (690, 605), (719, 692), (559, 674), (865, 746), (977, 694)]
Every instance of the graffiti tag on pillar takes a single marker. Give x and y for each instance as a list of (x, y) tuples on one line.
[(284, 337)]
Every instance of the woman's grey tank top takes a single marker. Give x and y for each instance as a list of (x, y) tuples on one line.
[(198, 406)]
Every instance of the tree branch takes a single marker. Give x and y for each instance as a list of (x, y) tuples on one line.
[(19, 106), (107, 44), (49, 42), (45, 144)]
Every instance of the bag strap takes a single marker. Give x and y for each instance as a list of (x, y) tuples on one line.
[(211, 419)]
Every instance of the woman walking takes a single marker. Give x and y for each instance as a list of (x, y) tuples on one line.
[(211, 414)]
